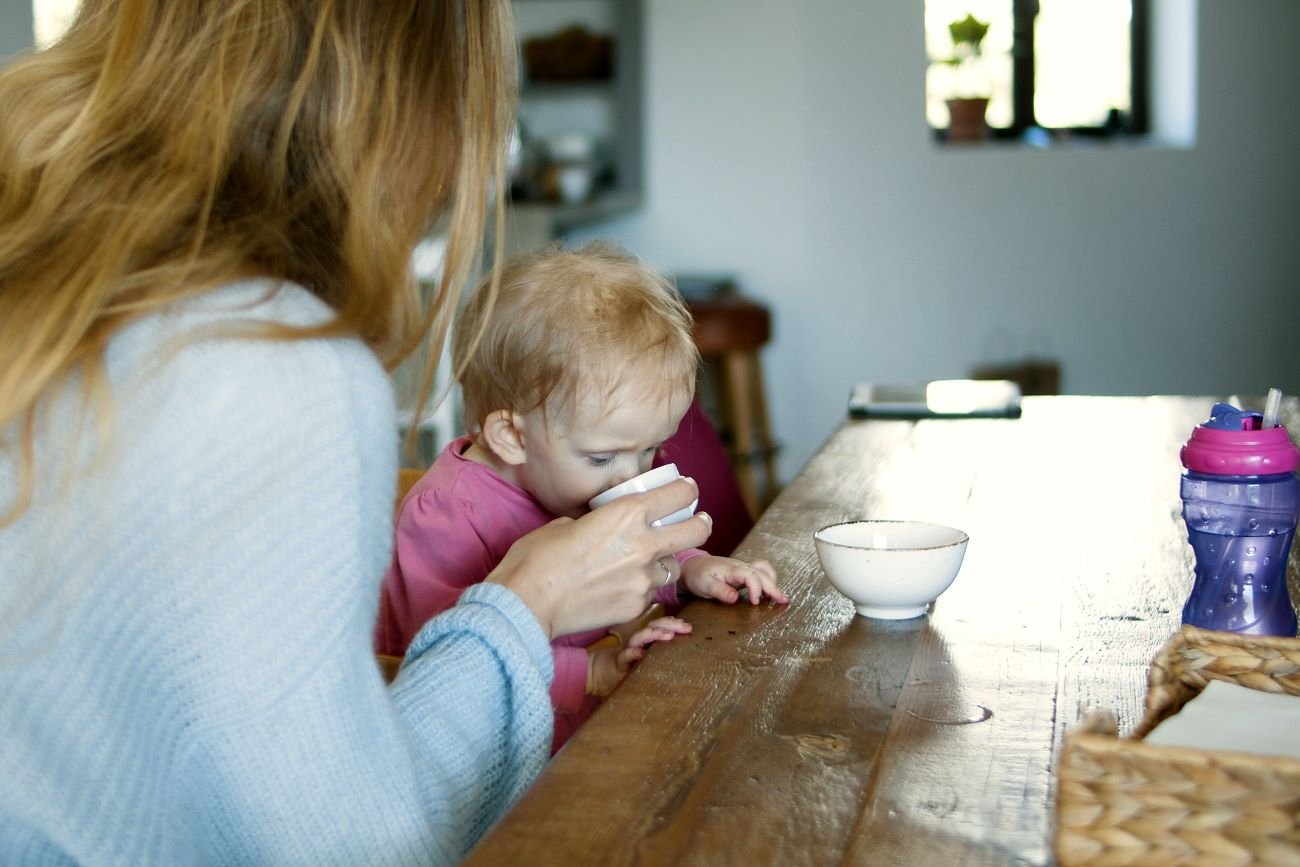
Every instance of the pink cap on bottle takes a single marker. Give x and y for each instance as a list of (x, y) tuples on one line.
[(1240, 452)]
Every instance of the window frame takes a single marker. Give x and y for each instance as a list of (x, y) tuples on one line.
[(1134, 123)]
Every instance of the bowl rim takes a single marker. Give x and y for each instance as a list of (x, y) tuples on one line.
[(817, 534)]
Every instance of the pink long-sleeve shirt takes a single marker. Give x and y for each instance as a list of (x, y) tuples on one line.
[(453, 528)]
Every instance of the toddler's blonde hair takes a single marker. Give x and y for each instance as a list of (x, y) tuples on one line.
[(565, 320)]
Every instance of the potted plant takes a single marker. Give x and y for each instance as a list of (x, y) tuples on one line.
[(970, 88)]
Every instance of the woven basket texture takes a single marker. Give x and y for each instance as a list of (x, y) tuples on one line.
[(1120, 801)]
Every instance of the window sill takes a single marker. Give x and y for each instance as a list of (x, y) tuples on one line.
[(1042, 140)]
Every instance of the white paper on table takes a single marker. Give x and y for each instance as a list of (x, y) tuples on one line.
[(1226, 716)]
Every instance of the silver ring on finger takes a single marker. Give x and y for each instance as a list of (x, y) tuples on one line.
[(668, 572)]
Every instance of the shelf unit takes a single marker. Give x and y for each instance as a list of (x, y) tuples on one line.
[(609, 111)]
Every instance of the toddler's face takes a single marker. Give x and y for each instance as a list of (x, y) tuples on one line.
[(602, 444)]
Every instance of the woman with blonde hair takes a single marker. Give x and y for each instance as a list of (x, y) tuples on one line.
[(207, 212)]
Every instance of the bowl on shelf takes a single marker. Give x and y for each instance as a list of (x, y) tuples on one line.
[(891, 570)]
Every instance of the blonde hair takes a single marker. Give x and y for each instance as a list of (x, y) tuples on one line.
[(569, 319), (165, 147)]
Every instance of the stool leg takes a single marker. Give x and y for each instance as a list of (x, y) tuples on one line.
[(739, 397), (764, 433)]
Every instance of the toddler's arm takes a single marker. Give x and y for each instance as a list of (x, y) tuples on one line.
[(569, 685)]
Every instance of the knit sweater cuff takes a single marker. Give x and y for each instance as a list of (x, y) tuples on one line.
[(500, 601)]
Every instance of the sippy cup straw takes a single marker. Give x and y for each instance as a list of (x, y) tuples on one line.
[(1272, 406)]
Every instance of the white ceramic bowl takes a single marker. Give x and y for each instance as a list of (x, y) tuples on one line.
[(647, 481), (891, 570)]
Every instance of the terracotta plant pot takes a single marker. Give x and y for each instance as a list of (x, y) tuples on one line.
[(966, 121)]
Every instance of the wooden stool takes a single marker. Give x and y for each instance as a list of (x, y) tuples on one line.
[(1033, 375), (729, 331)]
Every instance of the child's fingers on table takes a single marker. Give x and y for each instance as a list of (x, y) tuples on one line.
[(724, 589), (672, 624), (651, 634), (753, 584), (716, 582), (757, 583), (768, 579), (629, 655)]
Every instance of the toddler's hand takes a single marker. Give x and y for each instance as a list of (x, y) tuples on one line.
[(720, 577), (607, 666)]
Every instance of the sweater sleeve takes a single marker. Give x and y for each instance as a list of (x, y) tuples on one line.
[(313, 759), (469, 691)]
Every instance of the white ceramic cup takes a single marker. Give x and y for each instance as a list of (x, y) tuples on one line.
[(647, 481)]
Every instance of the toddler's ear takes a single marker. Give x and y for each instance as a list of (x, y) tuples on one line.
[(501, 434)]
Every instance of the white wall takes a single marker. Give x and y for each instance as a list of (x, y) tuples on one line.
[(787, 142), (16, 27)]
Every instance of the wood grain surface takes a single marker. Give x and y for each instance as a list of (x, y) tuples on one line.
[(808, 735)]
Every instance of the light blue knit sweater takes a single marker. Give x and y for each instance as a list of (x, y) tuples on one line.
[(185, 665)]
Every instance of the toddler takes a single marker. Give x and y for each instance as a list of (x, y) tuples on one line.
[(572, 378)]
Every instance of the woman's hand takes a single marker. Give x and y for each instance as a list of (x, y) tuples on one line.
[(603, 567)]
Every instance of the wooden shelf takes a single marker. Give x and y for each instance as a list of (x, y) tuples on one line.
[(571, 90), (564, 217)]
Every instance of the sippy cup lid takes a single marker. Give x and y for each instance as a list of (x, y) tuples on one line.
[(1231, 443)]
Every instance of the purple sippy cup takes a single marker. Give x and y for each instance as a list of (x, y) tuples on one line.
[(1240, 501)]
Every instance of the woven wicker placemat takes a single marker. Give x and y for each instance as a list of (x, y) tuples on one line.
[(1121, 801)]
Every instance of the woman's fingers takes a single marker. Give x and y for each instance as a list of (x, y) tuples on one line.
[(659, 502), (602, 568)]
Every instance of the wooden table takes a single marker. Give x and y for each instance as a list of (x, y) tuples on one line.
[(808, 735)]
